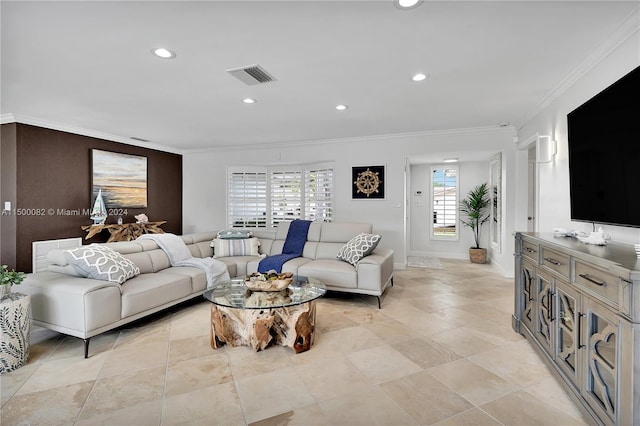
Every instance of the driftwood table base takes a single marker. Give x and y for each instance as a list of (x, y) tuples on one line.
[(291, 326)]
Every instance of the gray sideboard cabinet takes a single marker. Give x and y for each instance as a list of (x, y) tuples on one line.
[(579, 305)]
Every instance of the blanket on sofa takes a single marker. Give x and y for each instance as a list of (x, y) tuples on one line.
[(293, 247), (179, 255)]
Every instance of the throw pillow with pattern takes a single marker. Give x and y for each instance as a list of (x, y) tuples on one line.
[(101, 263), (358, 247)]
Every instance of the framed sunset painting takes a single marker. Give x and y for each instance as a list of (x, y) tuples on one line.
[(121, 177)]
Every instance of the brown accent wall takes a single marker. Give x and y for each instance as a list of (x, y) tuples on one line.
[(53, 178)]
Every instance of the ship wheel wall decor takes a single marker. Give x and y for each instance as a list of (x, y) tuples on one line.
[(367, 182)]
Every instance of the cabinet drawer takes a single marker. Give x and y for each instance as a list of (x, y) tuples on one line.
[(530, 250), (555, 261), (598, 281)]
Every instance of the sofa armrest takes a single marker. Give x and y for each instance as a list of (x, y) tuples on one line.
[(73, 305), (375, 270)]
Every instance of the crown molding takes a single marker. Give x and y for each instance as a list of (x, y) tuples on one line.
[(14, 118), (32, 121), (629, 27)]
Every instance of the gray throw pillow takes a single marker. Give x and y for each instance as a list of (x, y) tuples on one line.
[(101, 263), (358, 247)]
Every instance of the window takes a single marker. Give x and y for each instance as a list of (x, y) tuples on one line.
[(247, 198), (444, 201), (318, 193), (260, 197)]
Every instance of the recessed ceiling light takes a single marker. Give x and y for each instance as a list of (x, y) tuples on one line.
[(342, 107), (249, 101), (419, 77), (163, 53), (407, 4), (450, 160)]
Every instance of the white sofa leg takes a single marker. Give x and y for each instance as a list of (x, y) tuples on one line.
[(86, 348)]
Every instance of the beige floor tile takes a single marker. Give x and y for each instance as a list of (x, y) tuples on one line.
[(272, 393), (425, 399), (46, 407), (550, 392), (496, 330), (154, 329), (329, 318), (43, 343), (521, 408), (197, 373), (305, 416), (246, 362), (11, 382), (473, 417), (127, 390), (74, 346), (336, 344), (473, 382), (143, 414), (63, 372), (426, 352), (192, 347), (391, 331), (463, 341), (215, 405), (457, 315), (370, 407), (383, 363), (130, 358), (515, 362), (327, 379), (196, 323)]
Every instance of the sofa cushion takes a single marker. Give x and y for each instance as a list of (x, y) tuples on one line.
[(235, 247), (358, 247), (100, 262), (331, 272), (148, 291)]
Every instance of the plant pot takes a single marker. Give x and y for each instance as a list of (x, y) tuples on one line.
[(477, 255), (5, 289)]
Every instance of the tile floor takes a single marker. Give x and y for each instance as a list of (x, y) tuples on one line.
[(440, 351)]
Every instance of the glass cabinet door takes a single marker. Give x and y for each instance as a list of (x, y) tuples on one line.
[(601, 341), (543, 316), (567, 329), (528, 295)]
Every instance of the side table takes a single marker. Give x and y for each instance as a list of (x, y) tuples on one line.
[(15, 322)]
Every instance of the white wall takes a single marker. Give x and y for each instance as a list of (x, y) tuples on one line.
[(554, 206), (205, 177)]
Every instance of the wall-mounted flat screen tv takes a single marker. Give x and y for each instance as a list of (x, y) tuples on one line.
[(604, 155)]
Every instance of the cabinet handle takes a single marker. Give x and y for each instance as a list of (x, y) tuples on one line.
[(580, 316), (550, 260), (551, 296), (530, 250), (588, 278)]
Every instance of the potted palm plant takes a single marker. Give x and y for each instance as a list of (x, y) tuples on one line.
[(474, 211), (9, 278)]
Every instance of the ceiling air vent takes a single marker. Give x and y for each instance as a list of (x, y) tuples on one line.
[(251, 74)]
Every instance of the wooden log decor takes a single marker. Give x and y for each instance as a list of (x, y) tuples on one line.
[(291, 326)]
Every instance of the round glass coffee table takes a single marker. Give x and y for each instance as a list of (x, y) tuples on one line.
[(240, 316)]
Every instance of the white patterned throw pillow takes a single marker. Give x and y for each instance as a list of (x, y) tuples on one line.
[(101, 263), (358, 247)]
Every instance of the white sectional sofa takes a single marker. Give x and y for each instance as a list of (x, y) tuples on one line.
[(85, 307)]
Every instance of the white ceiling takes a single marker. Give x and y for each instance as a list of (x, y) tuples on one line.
[(88, 65)]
